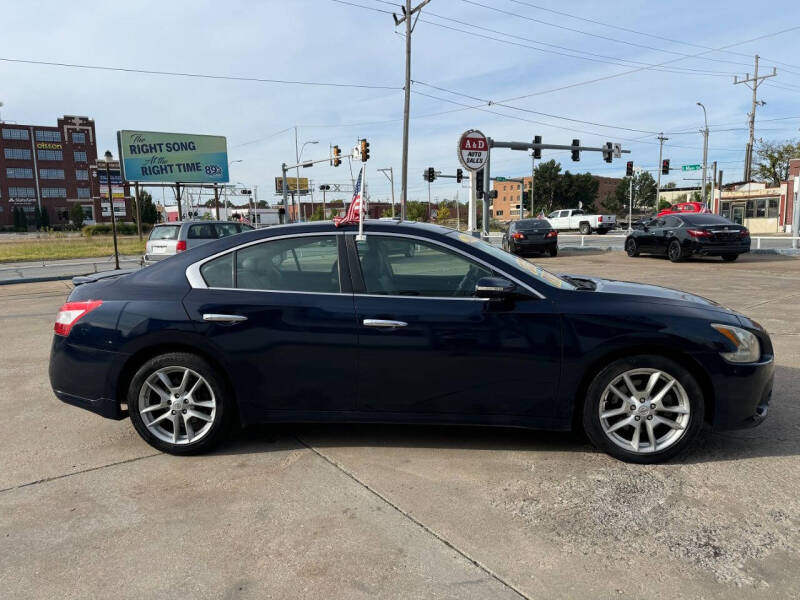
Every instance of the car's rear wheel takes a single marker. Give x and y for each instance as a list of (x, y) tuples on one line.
[(674, 251), (632, 248), (729, 257), (585, 229), (179, 404), (643, 409), (553, 251)]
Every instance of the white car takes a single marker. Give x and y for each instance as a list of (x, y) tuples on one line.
[(577, 219)]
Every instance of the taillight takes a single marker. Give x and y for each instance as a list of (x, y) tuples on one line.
[(600, 219), (180, 246), (744, 232), (551, 234), (698, 233), (71, 313), (518, 236)]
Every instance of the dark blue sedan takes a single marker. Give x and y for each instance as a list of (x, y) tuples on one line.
[(415, 324)]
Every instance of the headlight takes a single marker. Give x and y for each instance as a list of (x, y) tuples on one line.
[(748, 349)]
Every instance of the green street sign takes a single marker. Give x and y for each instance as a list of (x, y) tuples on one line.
[(691, 167), (500, 179)]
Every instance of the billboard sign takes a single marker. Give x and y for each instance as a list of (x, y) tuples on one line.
[(292, 185), (155, 157), (119, 208), (116, 191), (116, 178)]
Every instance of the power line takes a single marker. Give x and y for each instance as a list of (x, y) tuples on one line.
[(198, 75)]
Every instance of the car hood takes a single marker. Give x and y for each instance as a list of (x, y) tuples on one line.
[(648, 292)]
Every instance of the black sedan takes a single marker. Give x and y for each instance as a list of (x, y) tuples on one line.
[(531, 235), (694, 234), (308, 323)]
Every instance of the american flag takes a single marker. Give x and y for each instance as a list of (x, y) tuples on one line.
[(355, 206)]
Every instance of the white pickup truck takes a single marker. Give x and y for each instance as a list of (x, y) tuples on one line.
[(575, 218)]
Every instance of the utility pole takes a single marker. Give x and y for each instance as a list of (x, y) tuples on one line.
[(533, 173), (216, 200), (661, 140), (408, 12), (752, 83), (704, 195), (138, 211), (390, 177)]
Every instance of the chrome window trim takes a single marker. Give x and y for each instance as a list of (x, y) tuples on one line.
[(459, 251), (196, 280)]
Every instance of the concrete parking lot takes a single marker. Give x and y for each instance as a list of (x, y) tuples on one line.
[(87, 510)]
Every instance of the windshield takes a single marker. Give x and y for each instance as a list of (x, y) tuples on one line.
[(704, 219), (515, 261), (529, 224)]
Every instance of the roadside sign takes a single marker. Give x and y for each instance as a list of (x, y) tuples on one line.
[(473, 150), (500, 179), (691, 167), (617, 150)]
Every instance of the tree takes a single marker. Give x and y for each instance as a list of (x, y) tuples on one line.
[(416, 211), (318, 214), (574, 189), (76, 215), (644, 192), (147, 209), (772, 160), (545, 185), (670, 185), (662, 204), (444, 212)]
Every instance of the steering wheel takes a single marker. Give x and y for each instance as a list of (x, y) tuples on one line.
[(466, 287)]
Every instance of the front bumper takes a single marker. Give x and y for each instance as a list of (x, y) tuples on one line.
[(742, 392), (86, 377)]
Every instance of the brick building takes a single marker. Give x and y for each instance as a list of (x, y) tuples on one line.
[(49, 167)]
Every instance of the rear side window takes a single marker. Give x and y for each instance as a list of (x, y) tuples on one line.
[(201, 231), (165, 232), (219, 272), (226, 229), (302, 264)]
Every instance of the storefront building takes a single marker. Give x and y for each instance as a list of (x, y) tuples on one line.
[(757, 206)]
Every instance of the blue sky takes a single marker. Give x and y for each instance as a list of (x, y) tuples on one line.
[(503, 49)]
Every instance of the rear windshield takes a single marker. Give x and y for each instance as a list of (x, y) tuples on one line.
[(701, 219), (165, 232), (530, 224)]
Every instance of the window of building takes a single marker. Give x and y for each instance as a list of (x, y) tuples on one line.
[(50, 155), (78, 138), (772, 208), (51, 173), (725, 209), (15, 134), (499, 213), (54, 192), (17, 153), (82, 174), (43, 135), (83, 192), (80, 155), (19, 173), (750, 209), (21, 192), (761, 207)]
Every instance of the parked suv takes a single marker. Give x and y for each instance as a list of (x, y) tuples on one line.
[(167, 239)]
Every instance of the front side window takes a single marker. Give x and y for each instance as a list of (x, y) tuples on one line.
[(398, 266), (301, 264), (226, 229)]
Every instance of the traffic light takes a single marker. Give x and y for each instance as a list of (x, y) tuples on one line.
[(324, 188), (576, 154), (429, 174), (479, 183), (492, 194), (665, 166), (337, 154), (364, 150), (537, 152), (629, 169), (608, 152), (459, 175)]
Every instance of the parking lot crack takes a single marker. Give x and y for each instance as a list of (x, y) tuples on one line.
[(463, 553)]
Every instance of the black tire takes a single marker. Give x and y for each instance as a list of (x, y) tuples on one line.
[(602, 231), (631, 248), (585, 229), (729, 257), (675, 252), (591, 408), (553, 251), (223, 412)]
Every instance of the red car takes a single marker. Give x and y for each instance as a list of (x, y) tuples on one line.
[(684, 207)]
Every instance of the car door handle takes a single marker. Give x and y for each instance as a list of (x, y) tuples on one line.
[(383, 323), (217, 318)]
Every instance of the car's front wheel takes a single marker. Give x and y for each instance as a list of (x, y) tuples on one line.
[(179, 404), (632, 248), (643, 409)]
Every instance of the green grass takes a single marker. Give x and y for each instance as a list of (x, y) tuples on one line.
[(57, 248)]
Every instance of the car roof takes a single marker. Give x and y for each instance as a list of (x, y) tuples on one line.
[(201, 221)]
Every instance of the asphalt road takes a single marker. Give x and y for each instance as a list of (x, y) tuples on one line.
[(87, 510)]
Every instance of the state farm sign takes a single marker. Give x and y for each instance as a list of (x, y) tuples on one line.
[(473, 150)]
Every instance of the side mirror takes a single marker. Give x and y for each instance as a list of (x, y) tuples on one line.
[(494, 288)]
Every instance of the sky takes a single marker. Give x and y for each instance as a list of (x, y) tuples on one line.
[(613, 71)]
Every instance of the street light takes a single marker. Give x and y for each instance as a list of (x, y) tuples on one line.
[(109, 156), (705, 153), (299, 155)]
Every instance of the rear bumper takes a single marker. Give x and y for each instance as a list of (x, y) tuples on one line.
[(534, 245), (86, 377), (150, 259), (718, 249)]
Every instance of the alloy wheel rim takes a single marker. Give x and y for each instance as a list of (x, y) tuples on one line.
[(177, 405), (674, 250), (631, 247), (644, 410)]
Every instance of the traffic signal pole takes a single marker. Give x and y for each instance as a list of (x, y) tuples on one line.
[(661, 140)]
